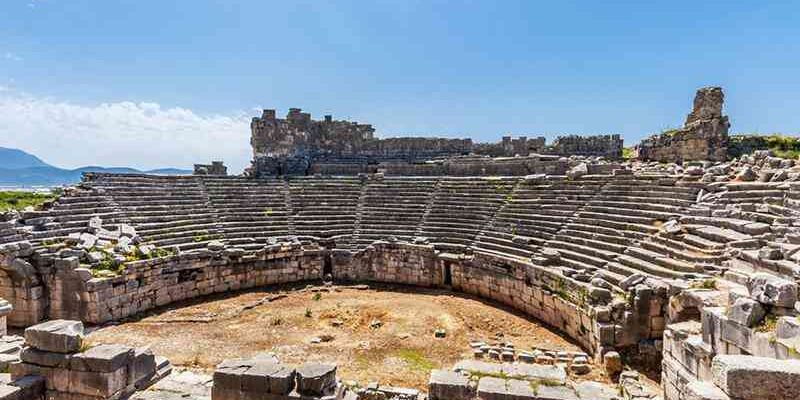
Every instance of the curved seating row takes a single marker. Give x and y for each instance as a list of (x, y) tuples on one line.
[(599, 224)]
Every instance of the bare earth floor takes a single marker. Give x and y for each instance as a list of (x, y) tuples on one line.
[(383, 334)]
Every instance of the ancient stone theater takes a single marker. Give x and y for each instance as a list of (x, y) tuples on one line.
[(670, 275)]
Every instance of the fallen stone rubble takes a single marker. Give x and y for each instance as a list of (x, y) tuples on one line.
[(55, 364)]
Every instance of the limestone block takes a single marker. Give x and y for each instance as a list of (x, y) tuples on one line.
[(770, 289), (143, 367), (101, 384), (787, 327), (45, 358), (546, 392), (703, 391), (228, 375), (448, 385), (60, 336), (490, 388), (596, 391), (316, 379), (9, 392), (747, 312), (103, 358), (612, 362), (747, 377)]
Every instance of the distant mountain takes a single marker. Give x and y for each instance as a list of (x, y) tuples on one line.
[(15, 158), (18, 168)]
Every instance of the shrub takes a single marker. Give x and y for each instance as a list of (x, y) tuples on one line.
[(18, 200)]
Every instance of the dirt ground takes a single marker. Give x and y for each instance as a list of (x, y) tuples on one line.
[(383, 333)]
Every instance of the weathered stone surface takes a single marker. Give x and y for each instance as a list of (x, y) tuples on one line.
[(770, 289), (704, 391), (316, 379), (103, 358), (448, 385), (704, 135), (588, 390), (45, 358), (612, 362), (60, 336), (143, 367), (747, 312), (578, 171), (747, 377)]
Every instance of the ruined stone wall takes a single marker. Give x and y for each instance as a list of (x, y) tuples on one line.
[(21, 284), (144, 285), (299, 145), (390, 263), (704, 135), (538, 292), (468, 166), (608, 146), (215, 168)]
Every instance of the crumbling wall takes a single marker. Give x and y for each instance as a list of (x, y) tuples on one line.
[(539, 292), (704, 135), (215, 168), (608, 146), (152, 283), (299, 145)]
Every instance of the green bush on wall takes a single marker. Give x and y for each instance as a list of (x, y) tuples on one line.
[(781, 145)]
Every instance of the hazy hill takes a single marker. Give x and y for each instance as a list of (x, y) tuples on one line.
[(18, 168)]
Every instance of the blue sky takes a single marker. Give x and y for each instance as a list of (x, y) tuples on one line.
[(154, 83)]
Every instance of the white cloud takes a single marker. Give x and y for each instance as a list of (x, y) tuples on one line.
[(11, 56), (141, 135)]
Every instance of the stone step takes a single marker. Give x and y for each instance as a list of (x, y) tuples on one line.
[(656, 270), (618, 217), (591, 242), (683, 254), (508, 251), (601, 220), (715, 234), (661, 260), (601, 233)]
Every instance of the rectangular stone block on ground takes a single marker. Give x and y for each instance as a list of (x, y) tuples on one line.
[(102, 358), (448, 385), (747, 377), (59, 336), (316, 379)]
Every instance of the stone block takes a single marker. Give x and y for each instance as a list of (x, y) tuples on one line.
[(60, 336), (228, 375), (490, 388), (31, 387), (448, 385), (612, 362), (9, 392), (143, 367), (747, 377), (546, 392), (770, 289), (103, 358), (787, 327), (101, 384), (747, 312), (45, 358), (316, 379), (596, 391)]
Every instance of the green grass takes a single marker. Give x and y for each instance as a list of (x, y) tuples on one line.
[(627, 153), (704, 284), (18, 200), (416, 360), (784, 146)]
